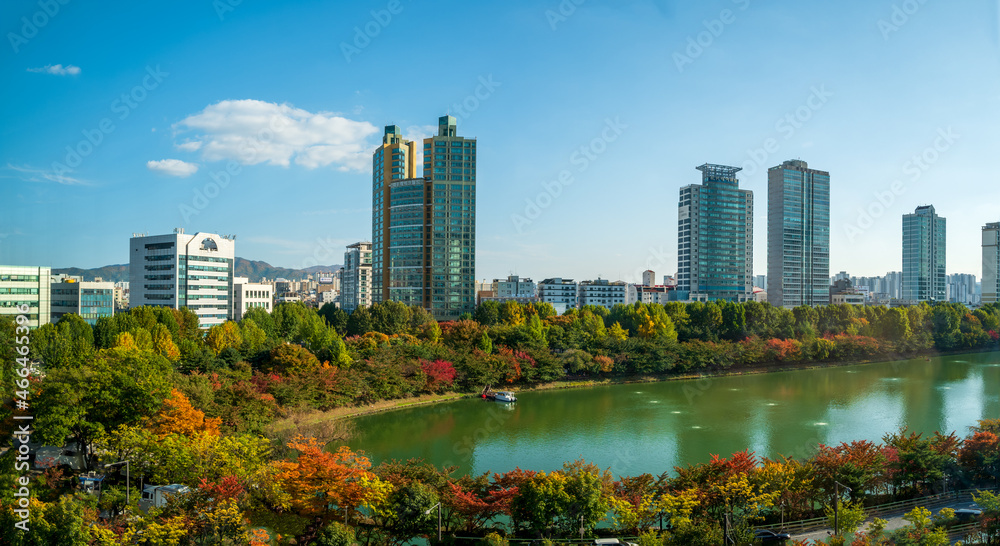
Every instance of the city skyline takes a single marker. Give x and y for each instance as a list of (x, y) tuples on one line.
[(864, 103)]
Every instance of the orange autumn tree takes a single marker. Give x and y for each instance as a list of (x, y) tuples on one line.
[(319, 482), (178, 416)]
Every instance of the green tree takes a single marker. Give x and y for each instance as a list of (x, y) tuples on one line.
[(120, 387), (409, 505), (734, 322), (488, 313), (850, 516), (894, 325), (390, 317), (335, 317), (263, 320), (335, 534), (360, 322), (254, 337)]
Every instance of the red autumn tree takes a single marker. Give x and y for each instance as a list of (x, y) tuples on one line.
[(980, 456), (440, 374)]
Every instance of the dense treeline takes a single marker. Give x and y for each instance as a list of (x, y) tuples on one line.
[(196, 407), (252, 372)]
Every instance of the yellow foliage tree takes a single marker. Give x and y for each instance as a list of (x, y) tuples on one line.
[(224, 336), (617, 332), (164, 344), (125, 341)]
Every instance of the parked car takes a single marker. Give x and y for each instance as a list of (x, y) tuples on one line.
[(968, 514), (612, 542), (765, 536)]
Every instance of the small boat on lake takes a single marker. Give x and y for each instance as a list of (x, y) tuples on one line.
[(504, 396), (499, 396)]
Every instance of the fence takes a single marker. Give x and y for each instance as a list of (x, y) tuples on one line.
[(932, 501)]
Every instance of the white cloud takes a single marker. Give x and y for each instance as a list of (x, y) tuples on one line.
[(188, 146), (253, 131), (172, 167), (58, 70), (29, 174)]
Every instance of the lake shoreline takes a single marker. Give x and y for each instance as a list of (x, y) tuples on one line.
[(581, 383)]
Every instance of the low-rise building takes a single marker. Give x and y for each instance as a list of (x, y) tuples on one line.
[(560, 293), (601, 292), (843, 291), (514, 288), (249, 295), (90, 300), (28, 286), (648, 294)]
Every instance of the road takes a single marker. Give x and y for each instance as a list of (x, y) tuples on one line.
[(895, 520)]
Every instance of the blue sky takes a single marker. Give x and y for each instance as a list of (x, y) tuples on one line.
[(899, 101)]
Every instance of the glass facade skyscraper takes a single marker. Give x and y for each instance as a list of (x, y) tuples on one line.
[(394, 160), (924, 277), (424, 229), (798, 235), (991, 263), (715, 238)]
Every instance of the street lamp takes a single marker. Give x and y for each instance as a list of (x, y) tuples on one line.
[(836, 505), (128, 495), (428, 512)]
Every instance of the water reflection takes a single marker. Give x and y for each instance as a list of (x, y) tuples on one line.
[(662, 425)]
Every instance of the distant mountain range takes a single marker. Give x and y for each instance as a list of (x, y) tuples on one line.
[(254, 270)]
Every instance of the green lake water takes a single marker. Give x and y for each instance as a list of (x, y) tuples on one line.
[(652, 427)]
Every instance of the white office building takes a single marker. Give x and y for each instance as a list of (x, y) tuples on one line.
[(514, 288), (26, 285), (648, 293), (601, 293), (180, 270), (90, 300), (249, 295), (559, 292), (356, 278)]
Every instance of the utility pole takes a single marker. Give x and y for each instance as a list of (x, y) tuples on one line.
[(128, 490), (428, 512)]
